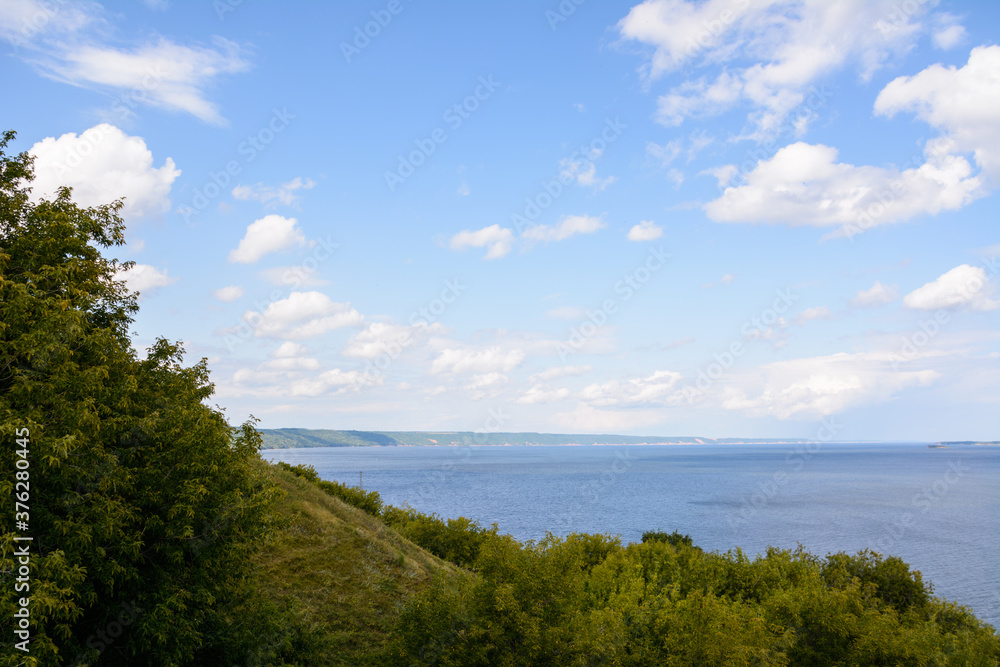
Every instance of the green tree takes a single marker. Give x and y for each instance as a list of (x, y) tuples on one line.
[(144, 503)]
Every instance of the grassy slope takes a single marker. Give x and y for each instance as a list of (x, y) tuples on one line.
[(345, 570)]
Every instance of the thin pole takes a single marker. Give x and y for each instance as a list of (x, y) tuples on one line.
[(361, 480)]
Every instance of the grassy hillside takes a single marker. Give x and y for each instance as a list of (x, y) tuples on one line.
[(343, 572)]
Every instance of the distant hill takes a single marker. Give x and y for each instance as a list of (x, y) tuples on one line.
[(288, 438)]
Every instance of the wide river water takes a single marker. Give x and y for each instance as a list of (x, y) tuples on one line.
[(938, 509)]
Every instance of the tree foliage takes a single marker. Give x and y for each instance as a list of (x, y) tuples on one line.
[(145, 504)]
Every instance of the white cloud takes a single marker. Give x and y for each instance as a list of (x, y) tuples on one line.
[(819, 386), (656, 389), (463, 190), (499, 240), (962, 103), (804, 185), (646, 230), (964, 285), (809, 314), (876, 295), (584, 171), (490, 360), (569, 225), (542, 394), (271, 233), (666, 153), (560, 371), (103, 164), (283, 194), (144, 278), (790, 45), (726, 279), (228, 293), (948, 37), (380, 338), (588, 419), (294, 276), (290, 364), (485, 381), (302, 315), (335, 379), (289, 349), (157, 73), (567, 313)]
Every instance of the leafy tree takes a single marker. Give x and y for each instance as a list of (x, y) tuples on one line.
[(144, 503)]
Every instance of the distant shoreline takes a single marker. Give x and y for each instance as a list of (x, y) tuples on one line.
[(300, 438)]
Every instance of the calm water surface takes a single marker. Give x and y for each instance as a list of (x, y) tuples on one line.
[(938, 509)]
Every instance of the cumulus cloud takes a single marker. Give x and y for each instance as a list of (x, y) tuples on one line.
[(498, 240), (569, 225), (301, 316), (964, 286), (560, 371), (490, 360), (103, 164), (876, 295), (542, 394), (144, 278), (270, 195), (646, 230), (820, 386), (584, 171), (289, 349), (272, 233), (726, 279), (949, 36), (229, 293), (803, 184), (658, 388), (809, 314), (336, 380), (961, 102), (790, 46), (380, 338)]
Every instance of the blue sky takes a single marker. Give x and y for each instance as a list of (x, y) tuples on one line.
[(725, 218)]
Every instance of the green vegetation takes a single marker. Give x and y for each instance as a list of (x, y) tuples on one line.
[(161, 538), (287, 438)]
